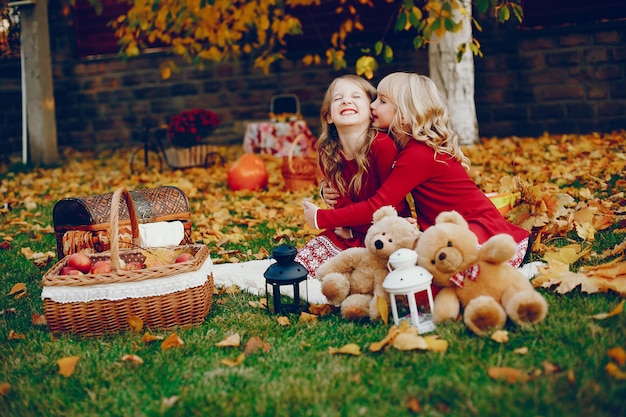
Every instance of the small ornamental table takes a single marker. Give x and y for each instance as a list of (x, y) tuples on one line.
[(276, 138)]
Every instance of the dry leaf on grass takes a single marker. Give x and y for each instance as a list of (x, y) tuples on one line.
[(408, 341), (510, 375), (149, 338), (5, 387), (283, 321), (255, 344), (67, 365), (383, 309), (500, 336), (234, 340), (613, 370), (307, 318), (135, 323), (320, 310), (349, 349), (17, 289), (618, 355), (617, 310), (237, 361), (136, 360), (172, 341), (38, 320), (521, 350), (16, 336)]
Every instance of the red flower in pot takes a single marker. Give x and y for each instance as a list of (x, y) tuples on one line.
[(189, 127)]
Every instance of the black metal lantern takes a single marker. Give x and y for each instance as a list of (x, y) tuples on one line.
[(285, 271)]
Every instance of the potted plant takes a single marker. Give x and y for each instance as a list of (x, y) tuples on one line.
[(186, 132)]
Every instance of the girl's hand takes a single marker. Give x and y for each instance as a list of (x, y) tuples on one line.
[(310, 212), (344, 232), (328, 194)]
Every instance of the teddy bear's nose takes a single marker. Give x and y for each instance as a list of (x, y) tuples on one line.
[(442, 256), (379, 244)]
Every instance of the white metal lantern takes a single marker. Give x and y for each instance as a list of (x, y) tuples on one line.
[(405, 278)]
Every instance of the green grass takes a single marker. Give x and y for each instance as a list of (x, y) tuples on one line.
[(298, 377)]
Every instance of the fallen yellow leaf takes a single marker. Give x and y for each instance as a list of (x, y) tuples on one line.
[(500, 336), (507, 374), (391, 334), (237, 361), (67, 365), (283, 321), (132, 358), (408, 341), (149, 338), (38, 320), (234, 340), (320, 309), (617, 310), (521, 350), (349, 349), (18, 288), (172, 341), (307, 318), (618, 355), (15, 336), (383, 309), (435, 344), (615, 372), (255, 344), (136, 323)]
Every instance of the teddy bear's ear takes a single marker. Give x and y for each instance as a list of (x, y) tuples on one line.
[(451, 217), (384, 212)]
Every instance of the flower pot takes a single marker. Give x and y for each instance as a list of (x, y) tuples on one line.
[(194, 156)]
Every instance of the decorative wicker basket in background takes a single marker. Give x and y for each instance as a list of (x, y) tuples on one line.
[(184, 308), (299, 171)]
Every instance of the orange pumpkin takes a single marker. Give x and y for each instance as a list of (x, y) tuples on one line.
[(247, 173)]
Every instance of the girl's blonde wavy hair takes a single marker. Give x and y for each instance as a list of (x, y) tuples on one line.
[(329, 145), (421, 114)]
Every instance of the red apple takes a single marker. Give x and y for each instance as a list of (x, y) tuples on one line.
[(184, 257), (68, 270), (79, 261), (101, 267), (248, 173)]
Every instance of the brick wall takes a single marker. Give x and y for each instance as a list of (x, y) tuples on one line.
[(565, 80)]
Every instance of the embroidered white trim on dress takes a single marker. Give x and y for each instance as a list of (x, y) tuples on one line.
[(120, 291)]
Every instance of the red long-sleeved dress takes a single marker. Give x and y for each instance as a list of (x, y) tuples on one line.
[(437, 183), (383, 152)]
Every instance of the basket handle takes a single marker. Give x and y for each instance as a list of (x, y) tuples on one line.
[(293, 147), (114, 225)]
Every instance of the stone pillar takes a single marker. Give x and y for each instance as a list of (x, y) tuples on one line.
[(37, 73)]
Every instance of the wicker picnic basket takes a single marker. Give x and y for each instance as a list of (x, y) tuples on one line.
[(81, 224), (164, 296), (299, 171)]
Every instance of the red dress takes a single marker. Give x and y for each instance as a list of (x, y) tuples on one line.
[(437, 183), (383, 152)]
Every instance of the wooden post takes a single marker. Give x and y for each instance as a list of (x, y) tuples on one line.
[(37, 73)]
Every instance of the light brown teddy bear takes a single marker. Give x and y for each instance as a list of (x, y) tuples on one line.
[(353, 279), (494, 290)]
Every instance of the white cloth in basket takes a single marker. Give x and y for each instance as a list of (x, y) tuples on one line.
[(158, 234), (120, 291)]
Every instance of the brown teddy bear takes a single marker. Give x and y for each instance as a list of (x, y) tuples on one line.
[(353, 279), (491, 290)]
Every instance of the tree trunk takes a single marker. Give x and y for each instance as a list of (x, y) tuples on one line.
[(40, 111), (456, 79)]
